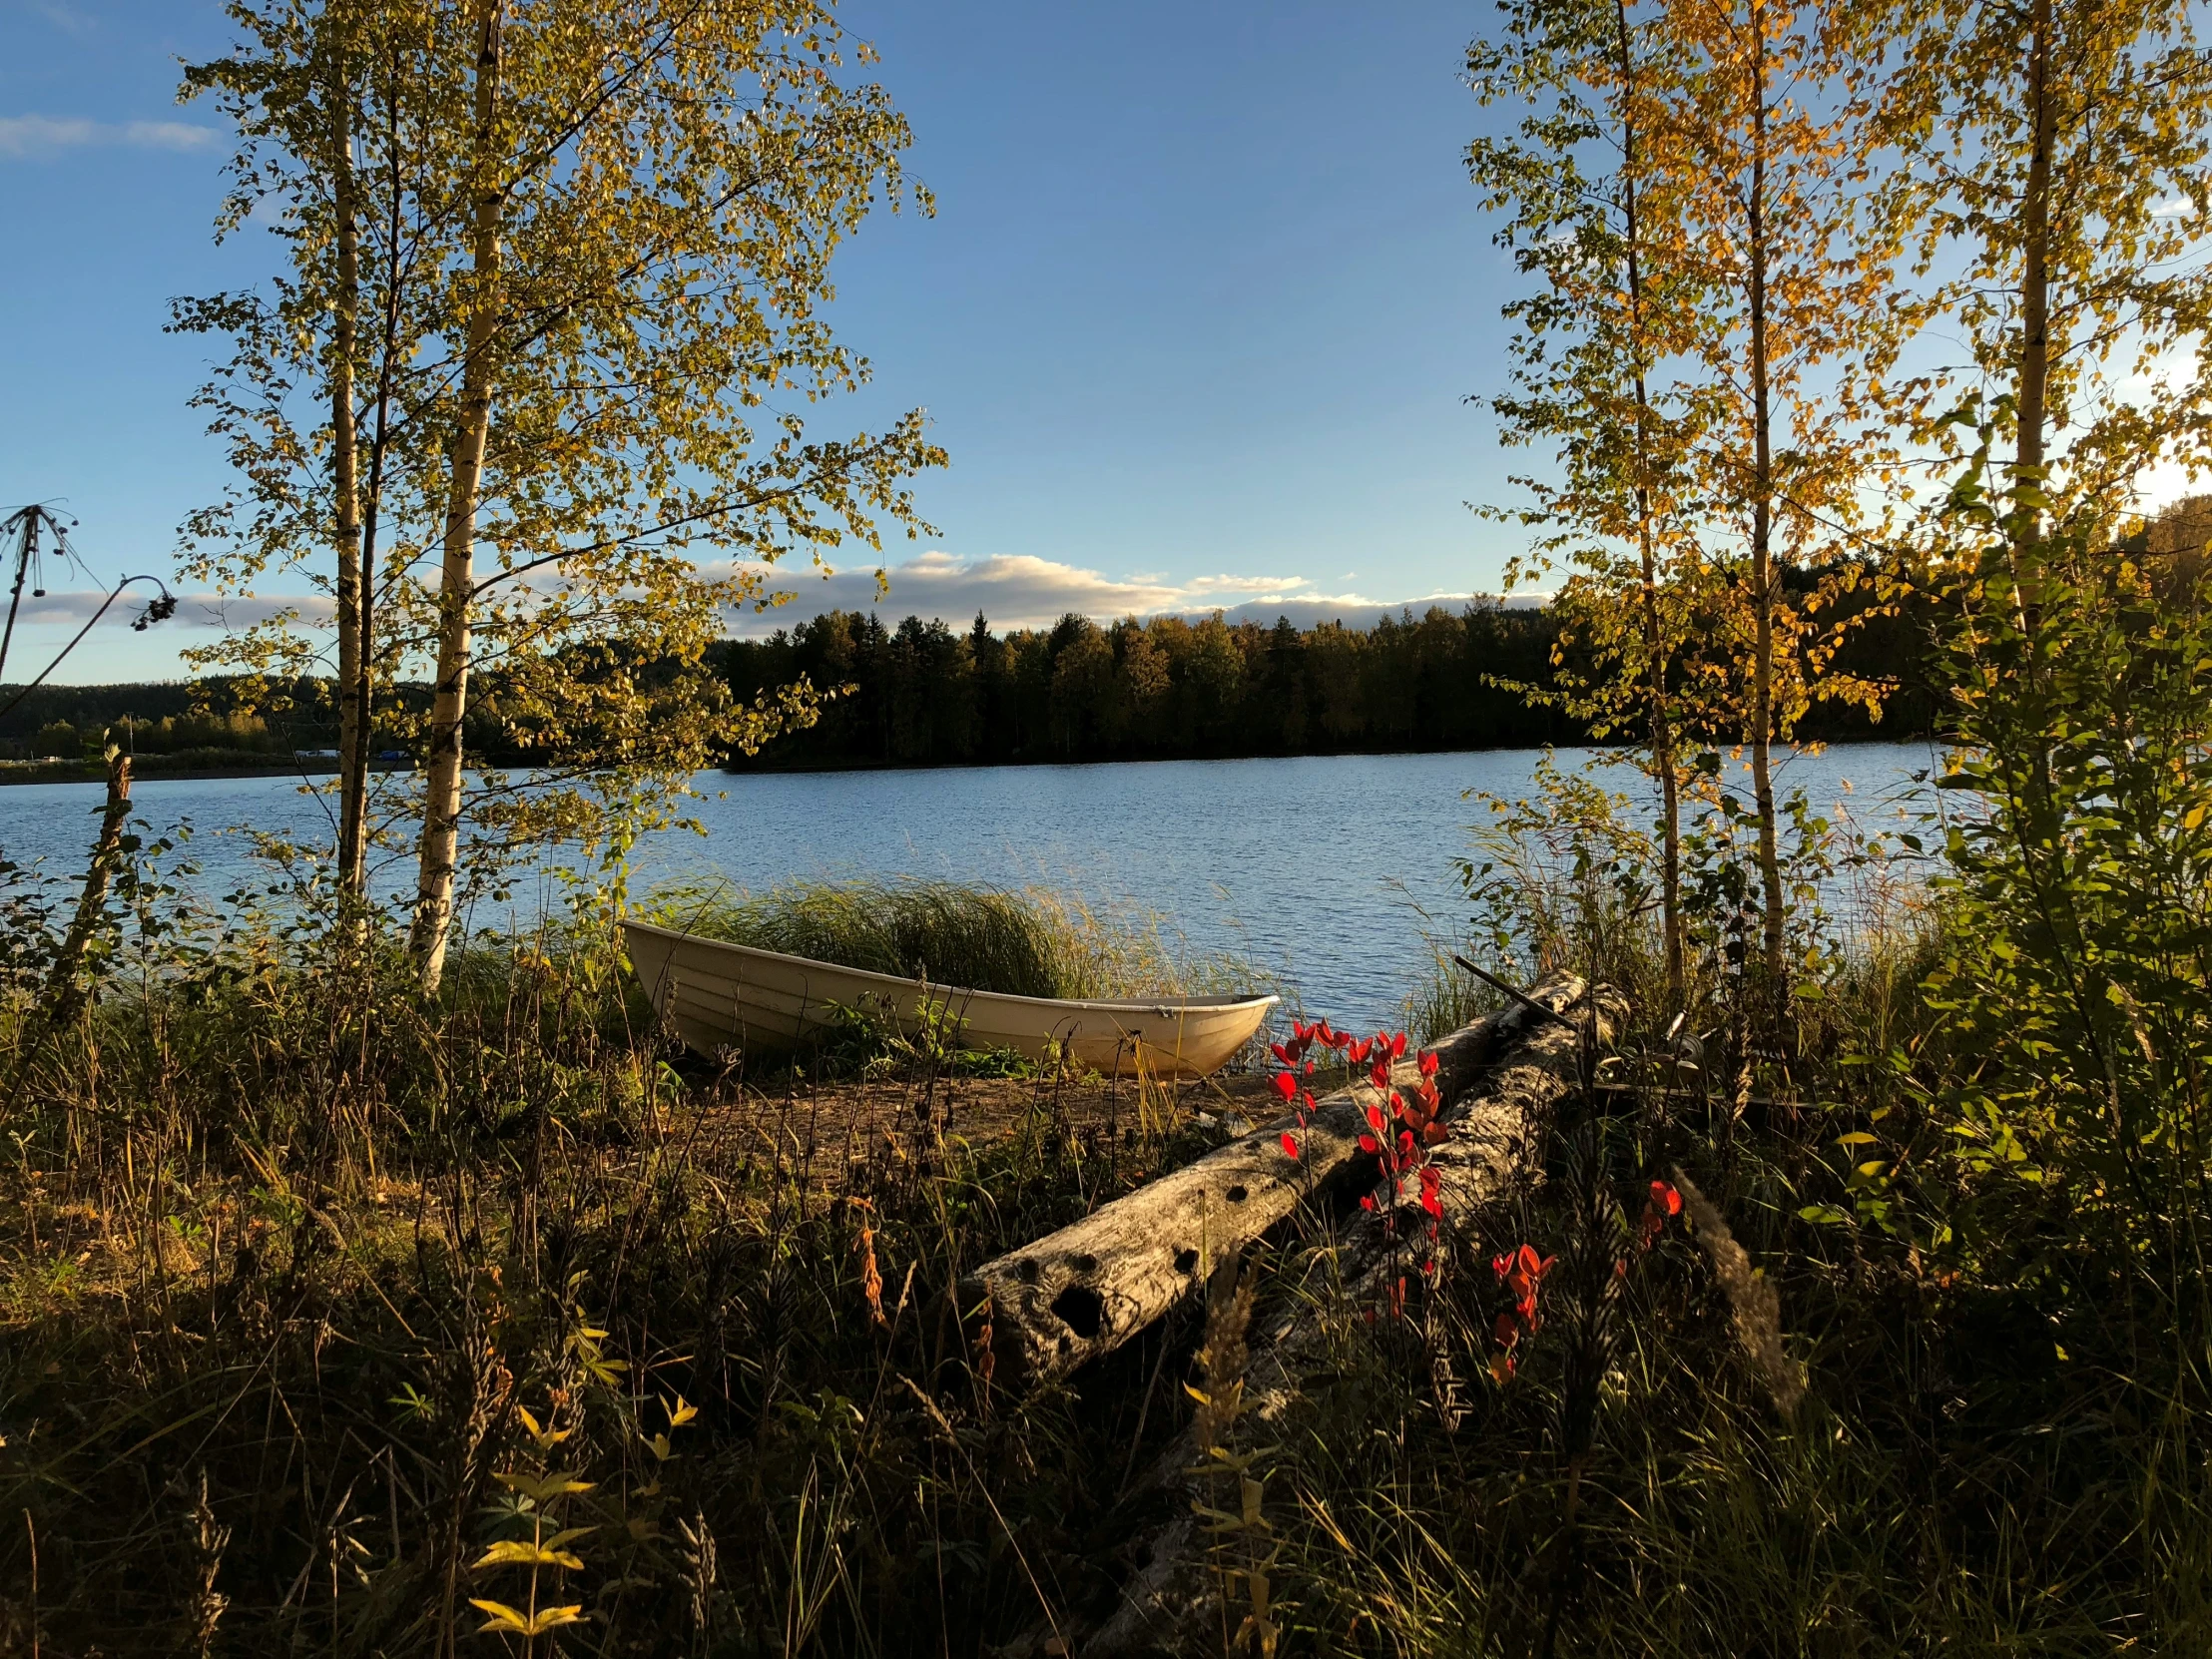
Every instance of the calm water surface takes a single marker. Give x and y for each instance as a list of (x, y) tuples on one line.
[(1323, 869)]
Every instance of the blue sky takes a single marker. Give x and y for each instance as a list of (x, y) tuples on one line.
[(1204, 294)]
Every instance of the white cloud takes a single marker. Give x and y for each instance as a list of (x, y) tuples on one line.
[(194, 610), (32, 135), (1023, 590)]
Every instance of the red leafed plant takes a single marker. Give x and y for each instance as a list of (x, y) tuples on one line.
[(1404, 1149), (1297, 1065), (1663, 1203), (1521, 1271), (1402, 1130)]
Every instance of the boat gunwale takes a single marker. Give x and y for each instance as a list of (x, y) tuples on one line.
[(1153, 1005)]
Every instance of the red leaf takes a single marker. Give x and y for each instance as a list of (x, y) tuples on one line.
[(1428, 1064), (1290, 1145), (1368, 1144), (1379, 1076), (1366, 1201), (1282, 1054), (1398, 1045), (1433, 1204), (1286, 1085), (1375, 1118)]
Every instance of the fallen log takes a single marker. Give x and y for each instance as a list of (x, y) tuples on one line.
[(1087, 1289), (1495, 1146)]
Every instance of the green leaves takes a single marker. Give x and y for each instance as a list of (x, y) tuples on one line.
[(513, 1621), (540, 1489), (2078, 895), (520, 1552)]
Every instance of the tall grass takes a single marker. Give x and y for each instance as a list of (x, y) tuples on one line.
[(306, 1287), (1032, 942), (319, 1303)]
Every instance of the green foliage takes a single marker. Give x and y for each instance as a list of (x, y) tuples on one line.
[(2077, 963), (58, 739)]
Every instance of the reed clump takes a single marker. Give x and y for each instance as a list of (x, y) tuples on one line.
[(1032, 941)]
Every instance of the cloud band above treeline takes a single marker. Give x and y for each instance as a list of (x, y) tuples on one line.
[(1023, 590), (1012, 590)]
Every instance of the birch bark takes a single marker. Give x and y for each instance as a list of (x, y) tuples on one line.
[(441, 817)]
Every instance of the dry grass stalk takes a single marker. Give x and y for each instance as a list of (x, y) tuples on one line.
[(1752, 1302), (1241, 1543), (1223, 1355), (208, 1541)]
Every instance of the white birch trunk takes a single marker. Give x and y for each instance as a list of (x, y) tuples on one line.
[(441, 807), (345, 478)]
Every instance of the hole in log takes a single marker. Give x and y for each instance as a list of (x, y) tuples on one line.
[(1026, 1270), (1086, 1263), (1186, 1260), (1080, 1307), (1235, 1195)]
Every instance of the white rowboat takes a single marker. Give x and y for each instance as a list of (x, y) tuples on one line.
[(722, 995)]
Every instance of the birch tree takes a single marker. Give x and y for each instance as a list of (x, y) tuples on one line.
[(1588, 383), (332, 105), (2057, 173), (618, 220), (1758, 159), (654, 191)]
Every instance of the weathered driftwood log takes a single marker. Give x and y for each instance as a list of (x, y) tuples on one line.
[(1497, 1144), (1087, 1289)]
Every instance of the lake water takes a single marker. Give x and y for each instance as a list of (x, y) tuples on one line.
[(1326, 871)]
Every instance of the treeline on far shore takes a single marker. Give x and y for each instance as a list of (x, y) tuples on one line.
[(924, 693)]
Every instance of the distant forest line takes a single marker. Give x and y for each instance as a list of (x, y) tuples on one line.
[(923, 694)]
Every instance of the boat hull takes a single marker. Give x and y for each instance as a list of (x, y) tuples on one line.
[(721, 995)]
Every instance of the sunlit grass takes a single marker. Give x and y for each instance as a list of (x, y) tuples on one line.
[(1034, 941)]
